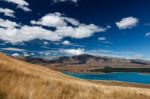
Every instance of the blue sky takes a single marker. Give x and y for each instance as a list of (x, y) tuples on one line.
[(118, 28)]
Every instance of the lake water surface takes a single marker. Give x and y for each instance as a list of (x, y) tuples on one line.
[(133, 77)]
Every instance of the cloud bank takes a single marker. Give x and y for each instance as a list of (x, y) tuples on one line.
[(14, 32)]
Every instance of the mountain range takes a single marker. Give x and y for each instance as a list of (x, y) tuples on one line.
[(86, 62)]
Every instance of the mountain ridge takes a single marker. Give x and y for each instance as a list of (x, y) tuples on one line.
[(85, 59)]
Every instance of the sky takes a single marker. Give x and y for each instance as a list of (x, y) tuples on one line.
[(46, 28)]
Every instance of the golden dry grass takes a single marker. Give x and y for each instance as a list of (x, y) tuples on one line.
[(21, 80)]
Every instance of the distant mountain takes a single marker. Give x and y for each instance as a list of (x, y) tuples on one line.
[(96, 60), (86, 59)]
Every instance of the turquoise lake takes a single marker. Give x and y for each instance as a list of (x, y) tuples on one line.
[(131, 77)]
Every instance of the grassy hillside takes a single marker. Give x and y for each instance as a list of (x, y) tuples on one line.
[(21, 80)]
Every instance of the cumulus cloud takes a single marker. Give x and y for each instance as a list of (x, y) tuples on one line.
[(57, 1), (75, 30), (66, 42), (27, 33), (61, 23), (8, 24), (147, 34), (7, 12), (55, 20), (64, 27), (22, 4), (127, 23), (26, 9), (74, 51), (82, 31), (50, 20)]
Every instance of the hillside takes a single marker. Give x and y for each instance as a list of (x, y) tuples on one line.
[(21, 80)]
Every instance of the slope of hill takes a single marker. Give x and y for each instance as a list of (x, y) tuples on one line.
[(21, 80)]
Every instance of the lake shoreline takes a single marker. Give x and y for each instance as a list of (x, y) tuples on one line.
[(119, 83), (108, 69), (122, 84), (110, 81)]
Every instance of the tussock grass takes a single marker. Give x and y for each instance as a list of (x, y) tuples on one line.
[(21, 80)]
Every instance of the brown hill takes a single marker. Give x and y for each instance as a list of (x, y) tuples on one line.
[(21, 80)]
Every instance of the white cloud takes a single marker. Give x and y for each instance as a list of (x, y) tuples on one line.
[(74, 1), (74, 51), (32, 54), (46, 43), (27, 33), (55, 20), (82, 31), (26, 9), (7, 12), (15, 55), (13, 49), (22, 4), (14, 33), (147, 34), (66, 42), (78, 30), (8, 24), (26, 54), (127, 23), (50, 20), (108, 27), (102, 38)]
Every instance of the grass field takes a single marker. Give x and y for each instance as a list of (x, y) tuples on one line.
[(21, 80)]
